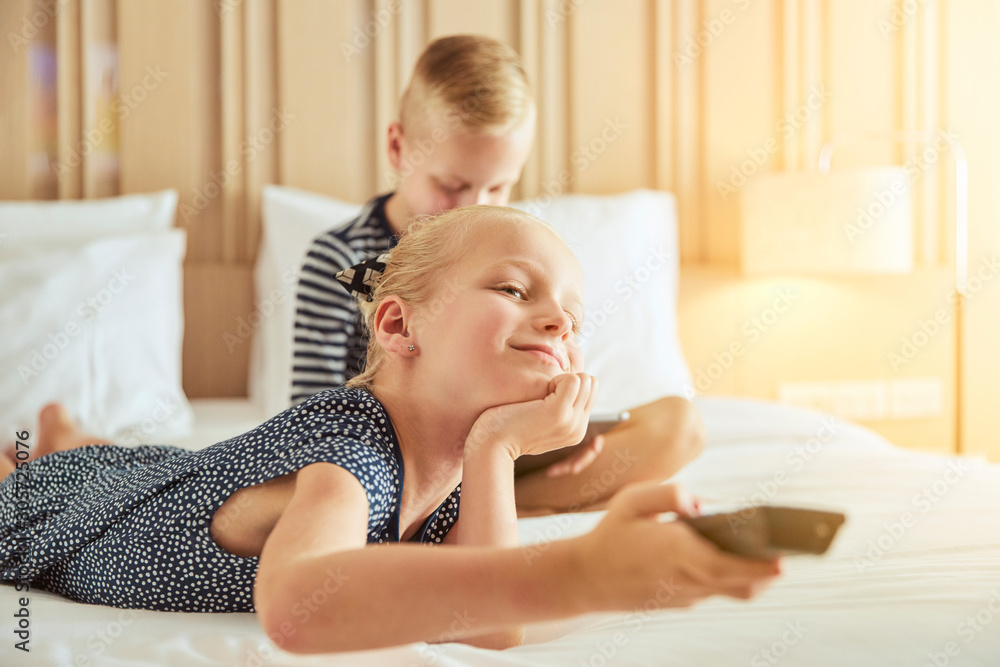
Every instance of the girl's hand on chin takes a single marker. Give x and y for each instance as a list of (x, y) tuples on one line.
[(535, 427)]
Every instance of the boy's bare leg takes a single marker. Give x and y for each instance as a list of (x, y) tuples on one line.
[(58, 432)]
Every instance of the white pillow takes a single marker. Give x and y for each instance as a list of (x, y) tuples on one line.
[(30, 227), (627, 246), (97, 327), (630, 335), (292, 218)]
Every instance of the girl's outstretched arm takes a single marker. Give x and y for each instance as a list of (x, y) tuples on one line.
[(319, 588)]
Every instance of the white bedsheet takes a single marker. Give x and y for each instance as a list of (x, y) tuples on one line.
[(912, 579)]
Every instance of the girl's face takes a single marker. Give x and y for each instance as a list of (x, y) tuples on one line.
[(504, 322)]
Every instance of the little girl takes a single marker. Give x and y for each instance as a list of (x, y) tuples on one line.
[(472, 362)]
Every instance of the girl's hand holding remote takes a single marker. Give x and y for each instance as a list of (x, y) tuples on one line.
[(631, 558), (542, 425)]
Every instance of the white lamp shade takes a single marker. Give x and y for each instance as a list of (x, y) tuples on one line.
[(845, 222)]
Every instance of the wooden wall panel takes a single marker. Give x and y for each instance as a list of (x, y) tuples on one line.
[(688, 127), (70, 96), (99, 67), (740, 64), (697, 87), (497, 19), (325, 66), (610, 112), (547, 72), (863, 74), (216, 353), (14, 182), (162, 81), (261, 90), (971, 106)]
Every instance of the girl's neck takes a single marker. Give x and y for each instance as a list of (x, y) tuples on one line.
[(431, 439)]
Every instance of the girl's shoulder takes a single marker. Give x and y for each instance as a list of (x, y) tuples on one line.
[(346, 413), (345, 402)]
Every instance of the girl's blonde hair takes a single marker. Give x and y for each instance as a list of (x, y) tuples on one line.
[(476, 82), (430, 246)]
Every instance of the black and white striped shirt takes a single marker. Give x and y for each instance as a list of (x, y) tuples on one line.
[(330, 344)]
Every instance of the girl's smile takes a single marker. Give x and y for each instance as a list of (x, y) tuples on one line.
[(546, 353), (510, 325)]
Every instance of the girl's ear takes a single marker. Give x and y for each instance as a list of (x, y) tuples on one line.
[(394, 145), (392, 326)]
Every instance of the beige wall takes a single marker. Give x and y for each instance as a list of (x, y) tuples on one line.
[(295, 92)]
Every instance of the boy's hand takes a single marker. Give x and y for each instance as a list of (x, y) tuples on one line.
[(579, 460), (539, 426)]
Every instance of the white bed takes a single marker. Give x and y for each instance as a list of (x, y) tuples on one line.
[(913, 578), (908, 602)]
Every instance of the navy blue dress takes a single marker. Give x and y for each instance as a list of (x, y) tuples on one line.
[(129, 526)]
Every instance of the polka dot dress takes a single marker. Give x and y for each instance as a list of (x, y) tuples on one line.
[(129, 526)]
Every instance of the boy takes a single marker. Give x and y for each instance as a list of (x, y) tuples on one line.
[(466, 123)]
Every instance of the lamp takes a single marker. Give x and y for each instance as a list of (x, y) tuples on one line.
[(851, 221)]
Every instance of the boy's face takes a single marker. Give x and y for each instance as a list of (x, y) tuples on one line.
[(442, 168)]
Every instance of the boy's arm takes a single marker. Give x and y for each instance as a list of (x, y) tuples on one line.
[(658, 440)]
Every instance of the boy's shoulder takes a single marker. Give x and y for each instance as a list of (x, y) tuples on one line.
[(368, 223), (350, 242)]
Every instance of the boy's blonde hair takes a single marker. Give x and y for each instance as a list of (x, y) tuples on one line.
[(476, 82), (426, 251)]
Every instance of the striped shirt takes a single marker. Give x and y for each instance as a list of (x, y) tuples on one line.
[(330, 345)]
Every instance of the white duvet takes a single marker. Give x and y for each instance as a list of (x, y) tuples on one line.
[(913, 577)]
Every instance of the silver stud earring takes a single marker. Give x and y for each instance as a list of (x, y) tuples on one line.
[(410, 348)]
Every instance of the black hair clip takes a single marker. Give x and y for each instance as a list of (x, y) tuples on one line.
[(360, 280)]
